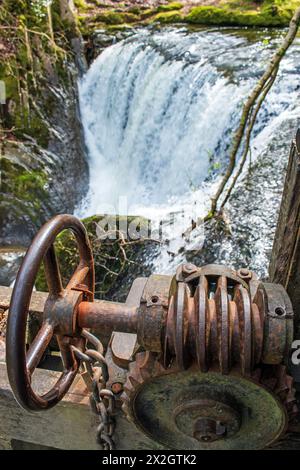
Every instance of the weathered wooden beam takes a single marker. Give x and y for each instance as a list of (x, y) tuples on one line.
[(37, 301), (285, 259), (70, 425)]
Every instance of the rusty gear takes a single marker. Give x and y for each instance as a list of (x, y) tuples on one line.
[(194, 410), (221, 380)]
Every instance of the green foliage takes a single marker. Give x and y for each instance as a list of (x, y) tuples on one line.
[(29, 181), (29, 57), (16, 7)]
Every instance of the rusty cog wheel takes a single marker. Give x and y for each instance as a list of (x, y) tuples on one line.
[(195, 410)]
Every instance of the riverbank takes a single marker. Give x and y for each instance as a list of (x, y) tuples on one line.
[(95, 14), (43, 162)]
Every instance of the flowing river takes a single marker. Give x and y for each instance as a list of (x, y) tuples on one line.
[(159, 110)]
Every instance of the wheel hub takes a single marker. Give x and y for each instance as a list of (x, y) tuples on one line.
[(193, 410), (207, 420)]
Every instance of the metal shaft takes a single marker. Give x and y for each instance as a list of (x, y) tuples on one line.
[(107, 317)]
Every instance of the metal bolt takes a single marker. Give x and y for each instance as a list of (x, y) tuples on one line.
[(208, 430), (189, 268), (279, 311), (117, 387), (244, 273)]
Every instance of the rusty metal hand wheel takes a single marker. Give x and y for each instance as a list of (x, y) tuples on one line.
[(58, 317)]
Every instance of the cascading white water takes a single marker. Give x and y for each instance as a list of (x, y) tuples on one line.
[(158, 110)]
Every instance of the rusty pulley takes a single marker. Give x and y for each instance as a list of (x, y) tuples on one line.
[(213, 346)]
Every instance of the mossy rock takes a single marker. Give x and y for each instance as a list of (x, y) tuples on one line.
[(168, 17), (26, 185), (170, 7), (117, 262), (268, 15), (147, 13), (135, 10), (115, 18)]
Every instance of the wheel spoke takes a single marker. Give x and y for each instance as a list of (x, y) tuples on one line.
[(78, 277), (38, 347), (67, 356), (52, 272)]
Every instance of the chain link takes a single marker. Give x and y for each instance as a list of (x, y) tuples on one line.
[(102, 400)]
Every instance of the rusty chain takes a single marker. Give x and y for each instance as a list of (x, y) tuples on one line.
[(102, 400)]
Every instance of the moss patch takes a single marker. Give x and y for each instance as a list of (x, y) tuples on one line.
[(271, 13), (168, 17), (81, 4), (115, 18), (264, 13), (170, 7), (25, 186)]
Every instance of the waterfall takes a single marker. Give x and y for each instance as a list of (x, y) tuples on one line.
[(158, 110)]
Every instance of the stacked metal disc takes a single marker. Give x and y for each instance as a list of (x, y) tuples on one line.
[(221, 325)]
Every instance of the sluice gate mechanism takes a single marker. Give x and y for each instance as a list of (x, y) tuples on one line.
[(201, 359), (208, 349)]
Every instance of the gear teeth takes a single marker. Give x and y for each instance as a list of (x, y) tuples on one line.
[(147, 366), (134, 382), (140, 371), (145, 374), (283, 388), (141, 358)]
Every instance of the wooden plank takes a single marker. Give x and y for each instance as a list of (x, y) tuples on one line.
[(37, 301), (285, 260), (69, 425)]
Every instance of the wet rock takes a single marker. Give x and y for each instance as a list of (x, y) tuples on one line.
[(10, 261), (43, 158), (100, 39), (245, 237), (43, 177)]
